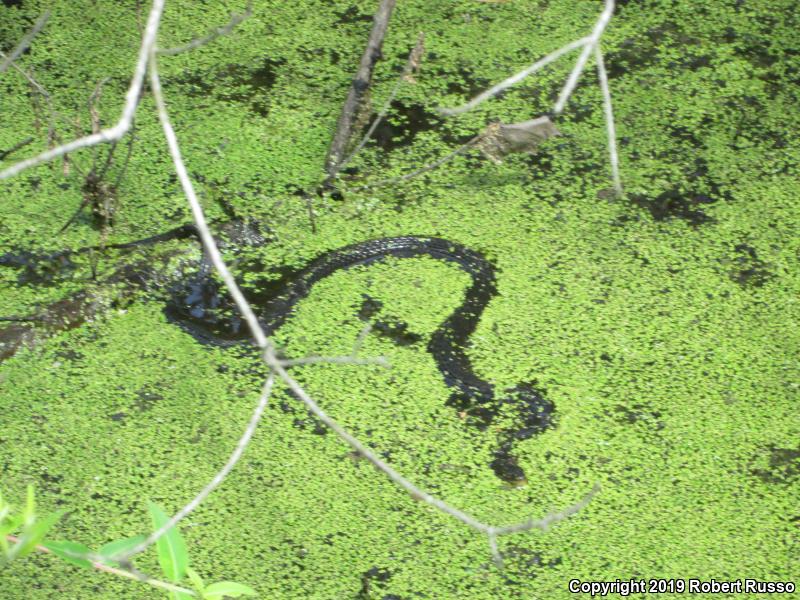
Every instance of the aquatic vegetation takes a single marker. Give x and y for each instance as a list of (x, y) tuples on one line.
[(662, 326)]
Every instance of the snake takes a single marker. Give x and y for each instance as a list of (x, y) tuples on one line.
[(198, 305), (474, 398)]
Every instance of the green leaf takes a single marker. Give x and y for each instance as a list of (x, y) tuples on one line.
[(172, 555), (29, 514), (109, 550), (216, 591), (67, 550), (195, 578), (11, 524), (34, 534)]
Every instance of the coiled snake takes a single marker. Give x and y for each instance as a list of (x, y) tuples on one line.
[(472, 396)]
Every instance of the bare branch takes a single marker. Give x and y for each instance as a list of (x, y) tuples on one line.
[(429, 167), (507, 83), (94, 117), (269, 355), (411, 64), (360, 85), (199, 217), (131, 101), (594, 38), (612, 134), (217, 479), (338, 360), (211, 35), (18, 146), (25, 41)]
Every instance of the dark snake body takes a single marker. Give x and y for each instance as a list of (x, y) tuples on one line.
[(196, 304), (471, 395)]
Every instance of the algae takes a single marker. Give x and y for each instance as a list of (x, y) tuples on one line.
[(663, 326)]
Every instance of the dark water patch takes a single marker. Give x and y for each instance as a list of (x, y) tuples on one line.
[(540, 166), (695, 62), (395, 330), (578, 112), (635, 53), (146, 399), (69, 354), (524, 564), (624, 220), (50, 482), (373, 582), (784, 466), (680, 203), (311, 422), (683, 134), (643, 51), (352, 15), (639, 413), (402, 124), (751, 271), (465, 83), (234, 83), (39, 269), (675, 204)]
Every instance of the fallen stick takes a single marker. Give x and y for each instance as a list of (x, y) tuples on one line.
[(361, 83)]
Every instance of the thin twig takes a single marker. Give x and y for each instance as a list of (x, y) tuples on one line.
[(15, 147), (358, 89), (426, 168), (385, 108), (124, 168), (94, 117), (612, 134), (131, 103), (507, 83), (211, 35), (362, 336), (198, 215), (51, 123), (594, 38), (244, 440), (138, 576), (25, 41), (312, 216), (338, 360)]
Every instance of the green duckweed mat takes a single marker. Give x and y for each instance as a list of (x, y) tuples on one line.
[(663, 326)]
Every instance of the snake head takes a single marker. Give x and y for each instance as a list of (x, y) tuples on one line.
[(203, 309), (530, 413)]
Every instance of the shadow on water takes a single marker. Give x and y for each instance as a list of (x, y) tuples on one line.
[(233, 83)]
